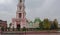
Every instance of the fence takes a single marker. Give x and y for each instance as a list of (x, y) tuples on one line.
[(28, 33)]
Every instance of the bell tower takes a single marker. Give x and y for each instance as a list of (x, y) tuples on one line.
[(20, 9), (20, 14), (20, 20)]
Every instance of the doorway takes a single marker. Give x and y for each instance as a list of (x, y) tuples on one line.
[(18, 27)]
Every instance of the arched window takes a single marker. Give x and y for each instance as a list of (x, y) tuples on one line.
[(20, 7), (20, 15)]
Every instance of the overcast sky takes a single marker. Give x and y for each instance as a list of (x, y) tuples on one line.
[(34, 8)]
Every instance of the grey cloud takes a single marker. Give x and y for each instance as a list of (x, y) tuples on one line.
[(43, 9), (34, 8)]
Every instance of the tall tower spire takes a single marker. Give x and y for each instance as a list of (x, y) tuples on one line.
[(20, 14), (21, 0), (21, 7), (20, 20)]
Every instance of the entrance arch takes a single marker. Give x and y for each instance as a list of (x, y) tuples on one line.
[(18, 27)]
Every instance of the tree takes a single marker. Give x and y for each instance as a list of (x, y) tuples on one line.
[(37, 20), (55, 22), (10, 24), (31, 23), (8, 28), (52, 26), (46, 24), (13, 28), (2, 28), (41, 26), (24, 29)]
